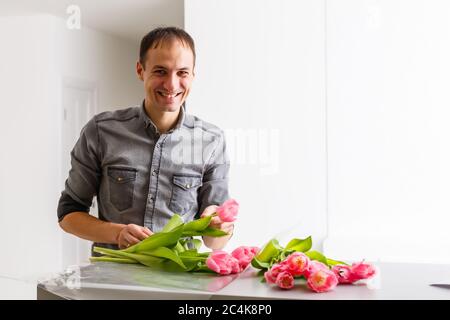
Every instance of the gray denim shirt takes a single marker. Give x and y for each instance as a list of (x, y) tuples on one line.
[(143, 177)]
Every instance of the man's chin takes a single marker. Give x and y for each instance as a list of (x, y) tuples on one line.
[(171, 108)]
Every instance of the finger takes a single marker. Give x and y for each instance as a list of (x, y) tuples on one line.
[(209, 210), (216, 221), (227, 225), (130, 240), (137, 232), (228, 229), (140, 234), (147, 231)]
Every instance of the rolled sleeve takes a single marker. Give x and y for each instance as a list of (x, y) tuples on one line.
[(214, 189), (85, 173)]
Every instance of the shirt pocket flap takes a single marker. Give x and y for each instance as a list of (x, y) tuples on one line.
[(122, 175), (187, 182)]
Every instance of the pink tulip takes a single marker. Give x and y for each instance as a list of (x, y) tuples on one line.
[(285, 280), (362, 270), (344, 274), (244, 255), (228, 211), (235, 266), (272, 274), (297, 263), (223, 263), (313, 267), (322, 280)]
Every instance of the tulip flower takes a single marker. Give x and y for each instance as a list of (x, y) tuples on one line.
[(272, 274), (313, 267), (244, 255), (362, 270), (297, 263), (322, 280), (285, 280), (228, 211), (344, 274), (222, 262)]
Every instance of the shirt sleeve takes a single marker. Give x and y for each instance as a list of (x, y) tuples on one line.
[(214, 189), (67, 205), (84, 176)]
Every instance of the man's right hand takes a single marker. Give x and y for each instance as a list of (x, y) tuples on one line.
[(132, 234)]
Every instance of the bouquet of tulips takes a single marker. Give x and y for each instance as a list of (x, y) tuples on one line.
[(281, 265), (169, 250)]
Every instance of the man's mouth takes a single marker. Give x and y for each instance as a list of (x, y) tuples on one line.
[(169, 94)]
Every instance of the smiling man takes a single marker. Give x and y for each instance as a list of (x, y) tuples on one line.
[(148, 162)]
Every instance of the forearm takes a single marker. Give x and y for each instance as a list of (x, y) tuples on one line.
[(85, 226)]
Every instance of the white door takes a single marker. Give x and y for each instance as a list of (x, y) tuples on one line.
[(79, 106)]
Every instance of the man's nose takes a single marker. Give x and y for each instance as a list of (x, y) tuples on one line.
[(171, 82)]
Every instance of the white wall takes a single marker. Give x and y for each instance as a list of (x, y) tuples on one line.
[(38, 52), (389, 175), (103, 59), (358, 92), (260, 76), (29, 141)]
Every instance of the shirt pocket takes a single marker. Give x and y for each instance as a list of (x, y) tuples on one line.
[(121, 187), (184, 194)]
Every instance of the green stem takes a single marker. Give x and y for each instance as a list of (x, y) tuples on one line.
[(112, 259)]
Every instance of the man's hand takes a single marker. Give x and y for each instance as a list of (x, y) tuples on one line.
[(228, 227), (132, 234)]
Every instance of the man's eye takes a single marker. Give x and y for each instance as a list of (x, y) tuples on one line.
[(183, 73), (160, 72)]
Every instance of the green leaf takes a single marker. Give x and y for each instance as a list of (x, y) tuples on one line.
[(301, 245), (170, 266), (188, 242), (112, 259), (147, 260), (174, 222), (198, 225), (194, 253), (160, 239), (315, 255), (178, 248), (203, 268), (271, 250), (256, 263), (197, 243), (163, 252), (332, 262), (210, 232)]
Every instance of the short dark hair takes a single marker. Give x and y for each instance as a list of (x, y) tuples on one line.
[(162, 35)]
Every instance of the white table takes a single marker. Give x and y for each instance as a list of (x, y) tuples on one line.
[(121, 281)]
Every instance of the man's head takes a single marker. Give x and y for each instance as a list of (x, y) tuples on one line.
[(166, 65)]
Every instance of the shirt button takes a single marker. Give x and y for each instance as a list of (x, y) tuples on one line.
[(157, 145), (188, 186), (119, 179), (153, 172)]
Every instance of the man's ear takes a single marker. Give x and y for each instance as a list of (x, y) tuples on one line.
[(140, 70)]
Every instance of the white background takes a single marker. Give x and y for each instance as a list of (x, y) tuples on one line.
[(335, 111), (357, 90)]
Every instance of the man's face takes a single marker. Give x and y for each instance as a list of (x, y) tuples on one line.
[(167, 76)]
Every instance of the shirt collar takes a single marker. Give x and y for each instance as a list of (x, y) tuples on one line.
[(149, 123)]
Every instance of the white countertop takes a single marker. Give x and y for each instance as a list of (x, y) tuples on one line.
[(122, 281)]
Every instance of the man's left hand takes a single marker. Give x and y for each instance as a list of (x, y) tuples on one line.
[(216, 222)]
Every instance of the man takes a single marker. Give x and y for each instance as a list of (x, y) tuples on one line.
[(149, 162)]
